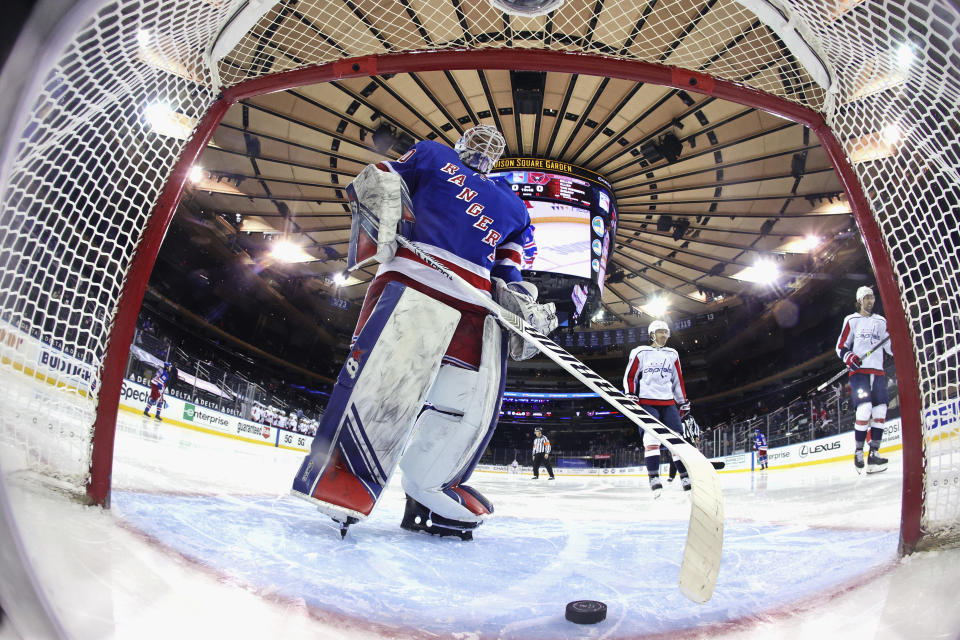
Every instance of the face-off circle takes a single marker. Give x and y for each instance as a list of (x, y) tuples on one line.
[(586, 611)]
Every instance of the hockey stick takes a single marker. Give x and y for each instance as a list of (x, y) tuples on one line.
[(701, 555), (846, 370)]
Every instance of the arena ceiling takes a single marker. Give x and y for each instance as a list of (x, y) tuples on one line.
[(748, 186)]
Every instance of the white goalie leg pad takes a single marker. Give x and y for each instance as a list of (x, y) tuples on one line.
[(448, 437), (375, 403)]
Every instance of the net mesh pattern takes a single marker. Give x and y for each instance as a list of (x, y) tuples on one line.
[(718, 37), (89, 168), (899, 119)]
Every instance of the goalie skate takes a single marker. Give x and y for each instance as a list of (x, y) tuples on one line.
[(417, 517)]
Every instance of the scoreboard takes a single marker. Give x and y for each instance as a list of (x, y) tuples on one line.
[(574, 216)]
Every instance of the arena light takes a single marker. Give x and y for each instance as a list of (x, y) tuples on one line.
[(905, 57), (892, 134), (875, 146), (805, 244), (339, 279), (764, 271), (196, 173), (811, 242), (882, 72), (164, 121), (289, 252), (657, 307)]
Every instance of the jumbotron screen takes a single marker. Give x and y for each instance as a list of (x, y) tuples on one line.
[(572, 213)]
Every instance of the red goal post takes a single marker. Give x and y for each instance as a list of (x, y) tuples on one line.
[(129, 251)]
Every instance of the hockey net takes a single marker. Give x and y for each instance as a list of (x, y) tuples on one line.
[(108, 119)]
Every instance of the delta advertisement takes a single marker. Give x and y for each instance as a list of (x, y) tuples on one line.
[(133, 397)]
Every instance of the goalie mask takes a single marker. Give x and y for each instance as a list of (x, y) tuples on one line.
[(480, 147)]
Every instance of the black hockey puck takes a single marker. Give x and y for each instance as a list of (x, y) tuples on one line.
[(586, 611)]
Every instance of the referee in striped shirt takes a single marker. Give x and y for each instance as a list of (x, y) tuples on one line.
[(541, 454), (691, 433)]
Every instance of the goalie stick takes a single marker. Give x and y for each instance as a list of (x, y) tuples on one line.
[(704, 546), (845, 369)]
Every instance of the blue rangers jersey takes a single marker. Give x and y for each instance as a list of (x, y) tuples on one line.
[(473, 224), (529, 248), (759, 441), (861, 333), (161, 379)]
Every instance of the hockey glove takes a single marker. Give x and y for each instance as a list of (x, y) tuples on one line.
[(684, 408), (852, 361), (521, 298), (383, 195)]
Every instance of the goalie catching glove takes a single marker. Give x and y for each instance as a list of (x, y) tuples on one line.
[(520, 298)]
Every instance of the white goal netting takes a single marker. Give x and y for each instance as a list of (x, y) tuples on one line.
[(99, 137)]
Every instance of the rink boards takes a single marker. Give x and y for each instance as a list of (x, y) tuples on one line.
[(196, 417), (187, 415), (822, 451), (43, 361)]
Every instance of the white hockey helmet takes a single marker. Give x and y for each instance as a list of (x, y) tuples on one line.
[(480, 147), (863, 291), (656, 325)]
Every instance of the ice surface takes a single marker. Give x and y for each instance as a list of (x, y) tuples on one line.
[(203, 541)]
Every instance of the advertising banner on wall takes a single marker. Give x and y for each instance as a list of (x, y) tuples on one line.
[(181, 413), (41, 359)]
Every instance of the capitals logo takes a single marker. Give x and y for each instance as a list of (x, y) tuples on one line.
[(352, 365)]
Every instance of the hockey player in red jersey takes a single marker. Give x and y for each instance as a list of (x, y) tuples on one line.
[(422, 384), (861, 332), (654, 378)]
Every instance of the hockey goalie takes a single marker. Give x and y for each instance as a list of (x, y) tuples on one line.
[(422, 385)]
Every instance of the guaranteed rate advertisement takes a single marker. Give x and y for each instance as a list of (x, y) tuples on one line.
[(572, 213)]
